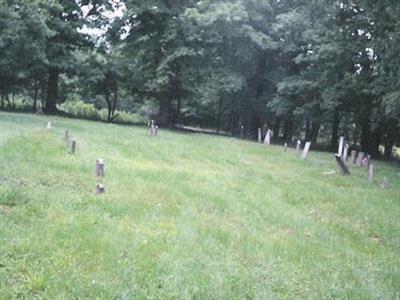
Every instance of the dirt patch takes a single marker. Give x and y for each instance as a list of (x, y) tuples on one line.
[(5, 209)]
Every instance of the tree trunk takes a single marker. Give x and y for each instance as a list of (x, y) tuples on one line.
[(35, 96), (315, 131), (164, 112), (52, 91), (219, 115), (335, 130)]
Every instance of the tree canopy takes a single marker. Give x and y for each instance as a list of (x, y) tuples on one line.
[(308, 69)]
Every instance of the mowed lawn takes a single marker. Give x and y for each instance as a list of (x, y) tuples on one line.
[(187, 216)]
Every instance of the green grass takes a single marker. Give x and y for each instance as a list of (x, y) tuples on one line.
[(187, 216)]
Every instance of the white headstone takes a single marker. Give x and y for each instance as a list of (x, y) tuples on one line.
[(259, 135), (371, 173), (305, 151), (341, 145), (268, 135), (298, 146)]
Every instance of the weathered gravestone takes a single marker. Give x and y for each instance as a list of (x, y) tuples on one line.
[(49, 125), (354, 156), (371, 173), (360, 158), (66, 135), (100, 167), (346, 152), (298, 147), (73, 146), (344, 170), (259, 133), (305, 151), (384, 183), (156, 130), (100, 189), (285, 147)]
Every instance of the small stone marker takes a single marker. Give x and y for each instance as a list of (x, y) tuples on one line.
[(242, 132), (298, 146), (341, 145), (100, 189), (259, 135), (384, 183), (49, 125), (344, 170), (346, 152), (66, 136), (360, 158), (100, 167), (156, 130), (354, 156), (268, 136), (305, 151), (285, 147), (151, 128), (73, 146), (365, 161), (371, 173)]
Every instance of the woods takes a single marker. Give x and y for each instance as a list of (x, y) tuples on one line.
[(310, 70)]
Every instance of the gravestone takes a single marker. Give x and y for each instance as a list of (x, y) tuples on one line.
[(298, 147), (305, 151), (366, 161), (341, 145), (384, 183), (242, 132), (66, 135), (285, 147), (268, 136), (100, 167), (371, 173), (49, 125), (344, 170), (156, 130), (354, 156), (346, 152), (73, 146), (151, 128), (360, 158), (259, 135), (100, 189)]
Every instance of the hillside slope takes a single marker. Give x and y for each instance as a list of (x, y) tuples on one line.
[(187, 216)]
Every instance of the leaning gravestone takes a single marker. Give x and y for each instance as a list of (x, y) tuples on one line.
[(268, 135), (305, 151), (344, 170)]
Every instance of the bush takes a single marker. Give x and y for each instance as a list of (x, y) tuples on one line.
[(84, 110)]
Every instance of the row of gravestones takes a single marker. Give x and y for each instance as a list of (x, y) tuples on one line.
[(72, 146), (303, 153), (360, 159)]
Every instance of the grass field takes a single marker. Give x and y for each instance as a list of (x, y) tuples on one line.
[(187, 216)]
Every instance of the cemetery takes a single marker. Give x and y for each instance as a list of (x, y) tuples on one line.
[(213, 149), (97, 210)]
